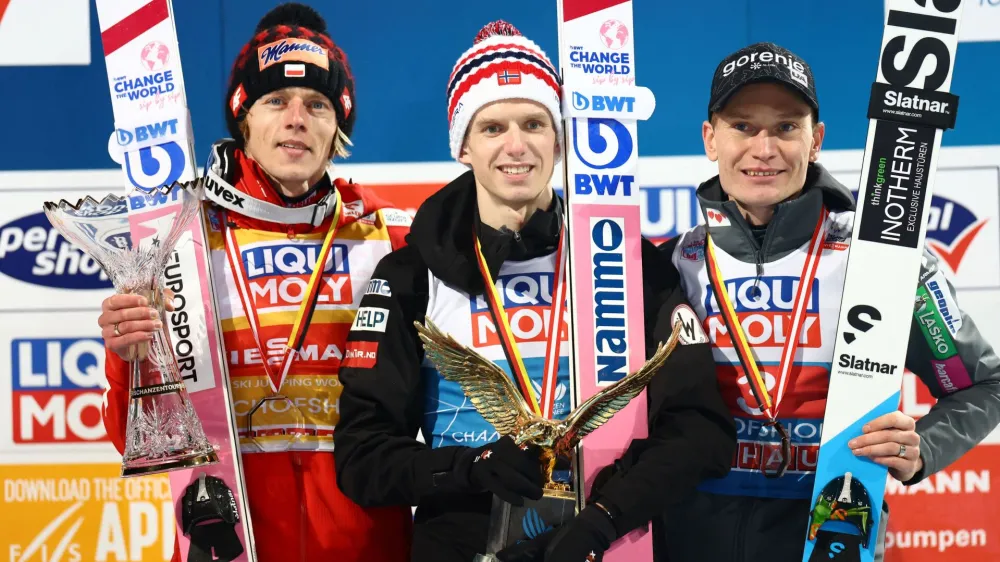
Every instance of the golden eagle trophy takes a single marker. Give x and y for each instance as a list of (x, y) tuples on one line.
[(499, 401)]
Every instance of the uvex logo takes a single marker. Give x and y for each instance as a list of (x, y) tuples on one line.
[(224, 192)]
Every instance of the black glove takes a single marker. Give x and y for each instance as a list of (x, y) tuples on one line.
[(503, 468), (591, 531)]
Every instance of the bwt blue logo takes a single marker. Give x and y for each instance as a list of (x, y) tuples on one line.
[(155, 166), (607, 140), (146, 132), (603, 184), (603, 103)]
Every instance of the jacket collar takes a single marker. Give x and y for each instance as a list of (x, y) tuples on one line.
[(446, 222), (792, 225)]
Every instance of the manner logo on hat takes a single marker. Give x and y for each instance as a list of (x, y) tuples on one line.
[(285, 50)]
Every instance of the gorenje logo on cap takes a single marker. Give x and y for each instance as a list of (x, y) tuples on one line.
[(758, 59), (287, 50)]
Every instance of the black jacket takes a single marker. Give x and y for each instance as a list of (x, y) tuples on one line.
[(379, 461)]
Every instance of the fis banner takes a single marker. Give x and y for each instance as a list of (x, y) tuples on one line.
[(84, 513)]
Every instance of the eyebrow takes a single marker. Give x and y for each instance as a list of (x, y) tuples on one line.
[(783, 115), (540, 116)]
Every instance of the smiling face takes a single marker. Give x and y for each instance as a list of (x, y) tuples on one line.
[(290, 133), (511, 146), (763, 140)]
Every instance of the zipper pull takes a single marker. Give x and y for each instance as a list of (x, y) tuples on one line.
[(755, 291)]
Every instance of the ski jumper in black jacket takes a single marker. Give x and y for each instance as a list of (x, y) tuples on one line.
[(391, 393)]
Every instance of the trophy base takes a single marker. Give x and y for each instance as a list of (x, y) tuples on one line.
[(510, 525), (145, 468)]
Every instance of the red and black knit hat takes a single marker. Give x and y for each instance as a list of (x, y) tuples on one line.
[(290, 48)]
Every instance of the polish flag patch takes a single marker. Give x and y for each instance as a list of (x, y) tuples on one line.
[(295, 70), (360, 354)]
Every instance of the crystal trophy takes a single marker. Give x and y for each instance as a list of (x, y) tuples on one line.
[(163, 432)]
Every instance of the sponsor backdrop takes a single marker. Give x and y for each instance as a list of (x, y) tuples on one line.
[(62, 498)]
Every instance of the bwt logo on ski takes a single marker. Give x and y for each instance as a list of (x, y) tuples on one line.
[(600, 62), (153, 200), (765, 320), (147, 132), (57, 390), (607, 248), (603, 184), (278, 274), (607, 143), (144, 87), (34, 252), (583, 102), (527, 298)]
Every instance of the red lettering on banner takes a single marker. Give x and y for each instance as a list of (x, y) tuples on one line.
[(750, 455), (766, 329), (950, 515), (528, 323), (361, 354), (58, 416)]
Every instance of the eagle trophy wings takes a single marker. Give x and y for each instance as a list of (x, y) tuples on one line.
[(499, 401)]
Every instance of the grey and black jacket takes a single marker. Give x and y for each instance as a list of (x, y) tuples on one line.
[(731, 528)]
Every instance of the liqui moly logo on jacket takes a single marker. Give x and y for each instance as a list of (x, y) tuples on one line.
[(278, 273), (527, 298), (764, 307)]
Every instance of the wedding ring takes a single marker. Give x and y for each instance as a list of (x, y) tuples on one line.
[(117, 333), (902, 450)]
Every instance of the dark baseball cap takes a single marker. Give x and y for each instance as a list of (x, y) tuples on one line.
[(762, 62)]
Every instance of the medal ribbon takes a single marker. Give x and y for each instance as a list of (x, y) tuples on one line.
[(306, 308), (506, 335), (751, 370)]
